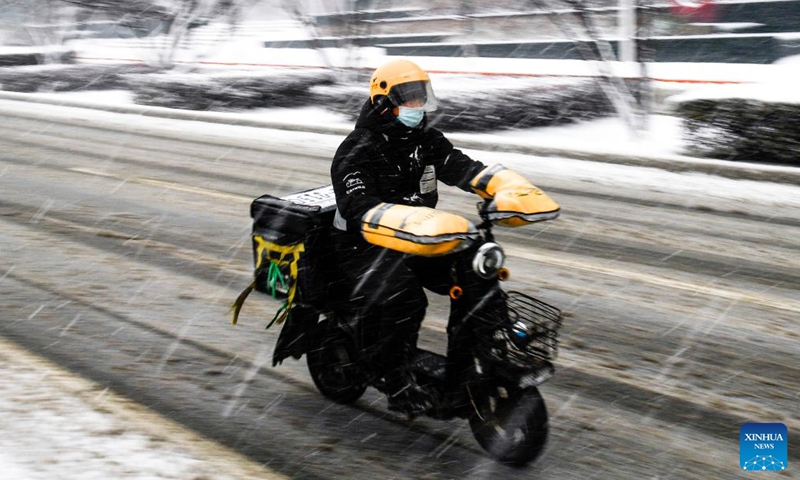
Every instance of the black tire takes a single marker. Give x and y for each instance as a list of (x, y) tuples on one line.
[(332, 367), (511, 426)]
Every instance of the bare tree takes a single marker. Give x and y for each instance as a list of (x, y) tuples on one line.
[(344, 14)]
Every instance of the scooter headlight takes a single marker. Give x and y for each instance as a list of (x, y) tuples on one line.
[(488, 260)]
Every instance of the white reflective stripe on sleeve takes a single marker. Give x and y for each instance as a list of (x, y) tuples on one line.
[(427, 183)]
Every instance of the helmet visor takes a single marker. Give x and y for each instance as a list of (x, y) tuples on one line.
[(417, 94)]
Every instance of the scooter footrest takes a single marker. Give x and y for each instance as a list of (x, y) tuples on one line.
[(432, 364)]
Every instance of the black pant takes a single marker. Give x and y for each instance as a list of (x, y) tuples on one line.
[(389, 285)]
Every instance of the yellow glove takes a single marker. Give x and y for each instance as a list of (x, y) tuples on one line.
[(417, 230), (514, 200)]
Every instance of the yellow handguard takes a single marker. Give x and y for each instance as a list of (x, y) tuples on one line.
[(514, 201), (417, 230)]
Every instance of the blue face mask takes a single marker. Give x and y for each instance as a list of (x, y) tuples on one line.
[(410, 117)]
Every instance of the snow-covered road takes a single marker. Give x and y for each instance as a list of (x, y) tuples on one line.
[(661, 271), (56, 425)]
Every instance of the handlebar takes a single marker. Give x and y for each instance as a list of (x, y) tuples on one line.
[(486, 225)]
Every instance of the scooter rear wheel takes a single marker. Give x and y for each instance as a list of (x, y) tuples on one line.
[(331, 364), (511, 426)]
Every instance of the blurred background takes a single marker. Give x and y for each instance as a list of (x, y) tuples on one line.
[(518, 63)]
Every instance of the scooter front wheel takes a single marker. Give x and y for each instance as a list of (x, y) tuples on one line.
[(331, 364), (511, 426)]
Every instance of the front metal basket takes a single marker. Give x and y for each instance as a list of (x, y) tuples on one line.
[(525, 336)]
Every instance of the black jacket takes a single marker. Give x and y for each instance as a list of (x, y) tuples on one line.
[(382, 160)]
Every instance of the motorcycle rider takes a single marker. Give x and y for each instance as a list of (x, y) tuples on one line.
[(395, 157)]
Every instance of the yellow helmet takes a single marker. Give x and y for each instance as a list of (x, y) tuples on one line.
[(402, 81)]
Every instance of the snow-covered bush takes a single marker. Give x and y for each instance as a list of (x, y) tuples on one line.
[(479, 104), (742, 129), (492, 103), (520, 103), (752, 123), (232, 91), (19, 56), (16, 59), (65, 78)]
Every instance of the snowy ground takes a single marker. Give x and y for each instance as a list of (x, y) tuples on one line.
[(55, 425), (23, 425)]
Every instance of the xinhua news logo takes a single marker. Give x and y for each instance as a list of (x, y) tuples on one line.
[(763, 446)]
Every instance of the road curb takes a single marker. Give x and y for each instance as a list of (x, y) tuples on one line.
[(673, 163)]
